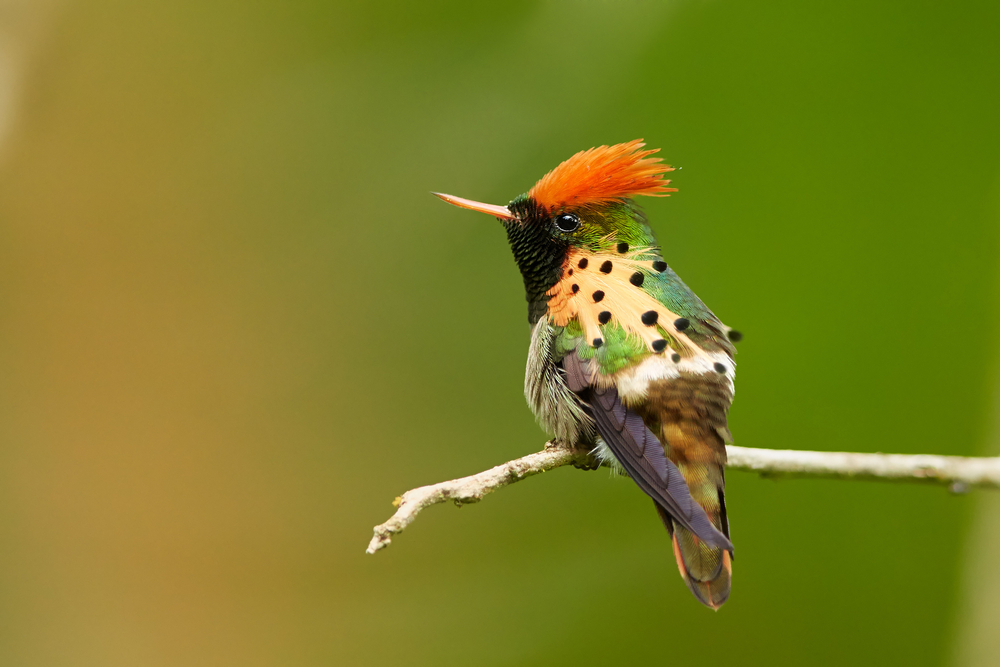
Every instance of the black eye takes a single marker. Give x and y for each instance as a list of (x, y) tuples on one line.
[(568, 222)]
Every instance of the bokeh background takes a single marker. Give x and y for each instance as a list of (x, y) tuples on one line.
[(234, 325)]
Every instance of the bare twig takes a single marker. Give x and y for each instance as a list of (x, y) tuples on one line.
[(471, 489), (959, 473)]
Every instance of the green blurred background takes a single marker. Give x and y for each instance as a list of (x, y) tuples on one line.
[(234, 325)]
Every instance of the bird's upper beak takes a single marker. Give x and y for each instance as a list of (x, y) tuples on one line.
[(492, 209)]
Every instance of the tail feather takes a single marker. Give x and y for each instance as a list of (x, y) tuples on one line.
[(706, 570), (711, 588)]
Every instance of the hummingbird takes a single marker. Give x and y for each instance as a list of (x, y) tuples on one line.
[(624, 358)]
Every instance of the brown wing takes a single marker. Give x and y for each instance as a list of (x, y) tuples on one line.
[(642, 455), (688, 413)]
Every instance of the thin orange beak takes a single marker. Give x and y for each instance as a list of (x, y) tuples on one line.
[(491, 209)]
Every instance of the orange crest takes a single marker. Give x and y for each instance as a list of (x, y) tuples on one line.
[(603, 174)]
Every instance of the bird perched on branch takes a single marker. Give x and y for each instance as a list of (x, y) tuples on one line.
[(624, 357)]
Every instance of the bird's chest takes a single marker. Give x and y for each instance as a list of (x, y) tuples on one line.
[(557, 409)]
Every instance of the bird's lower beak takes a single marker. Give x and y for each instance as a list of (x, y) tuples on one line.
[(492, 209)]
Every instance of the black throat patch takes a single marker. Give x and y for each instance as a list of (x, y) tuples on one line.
[(537, 252)]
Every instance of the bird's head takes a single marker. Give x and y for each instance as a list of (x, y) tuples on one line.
[(582, 206)]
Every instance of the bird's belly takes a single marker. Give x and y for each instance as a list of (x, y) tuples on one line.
[(633, 383)]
